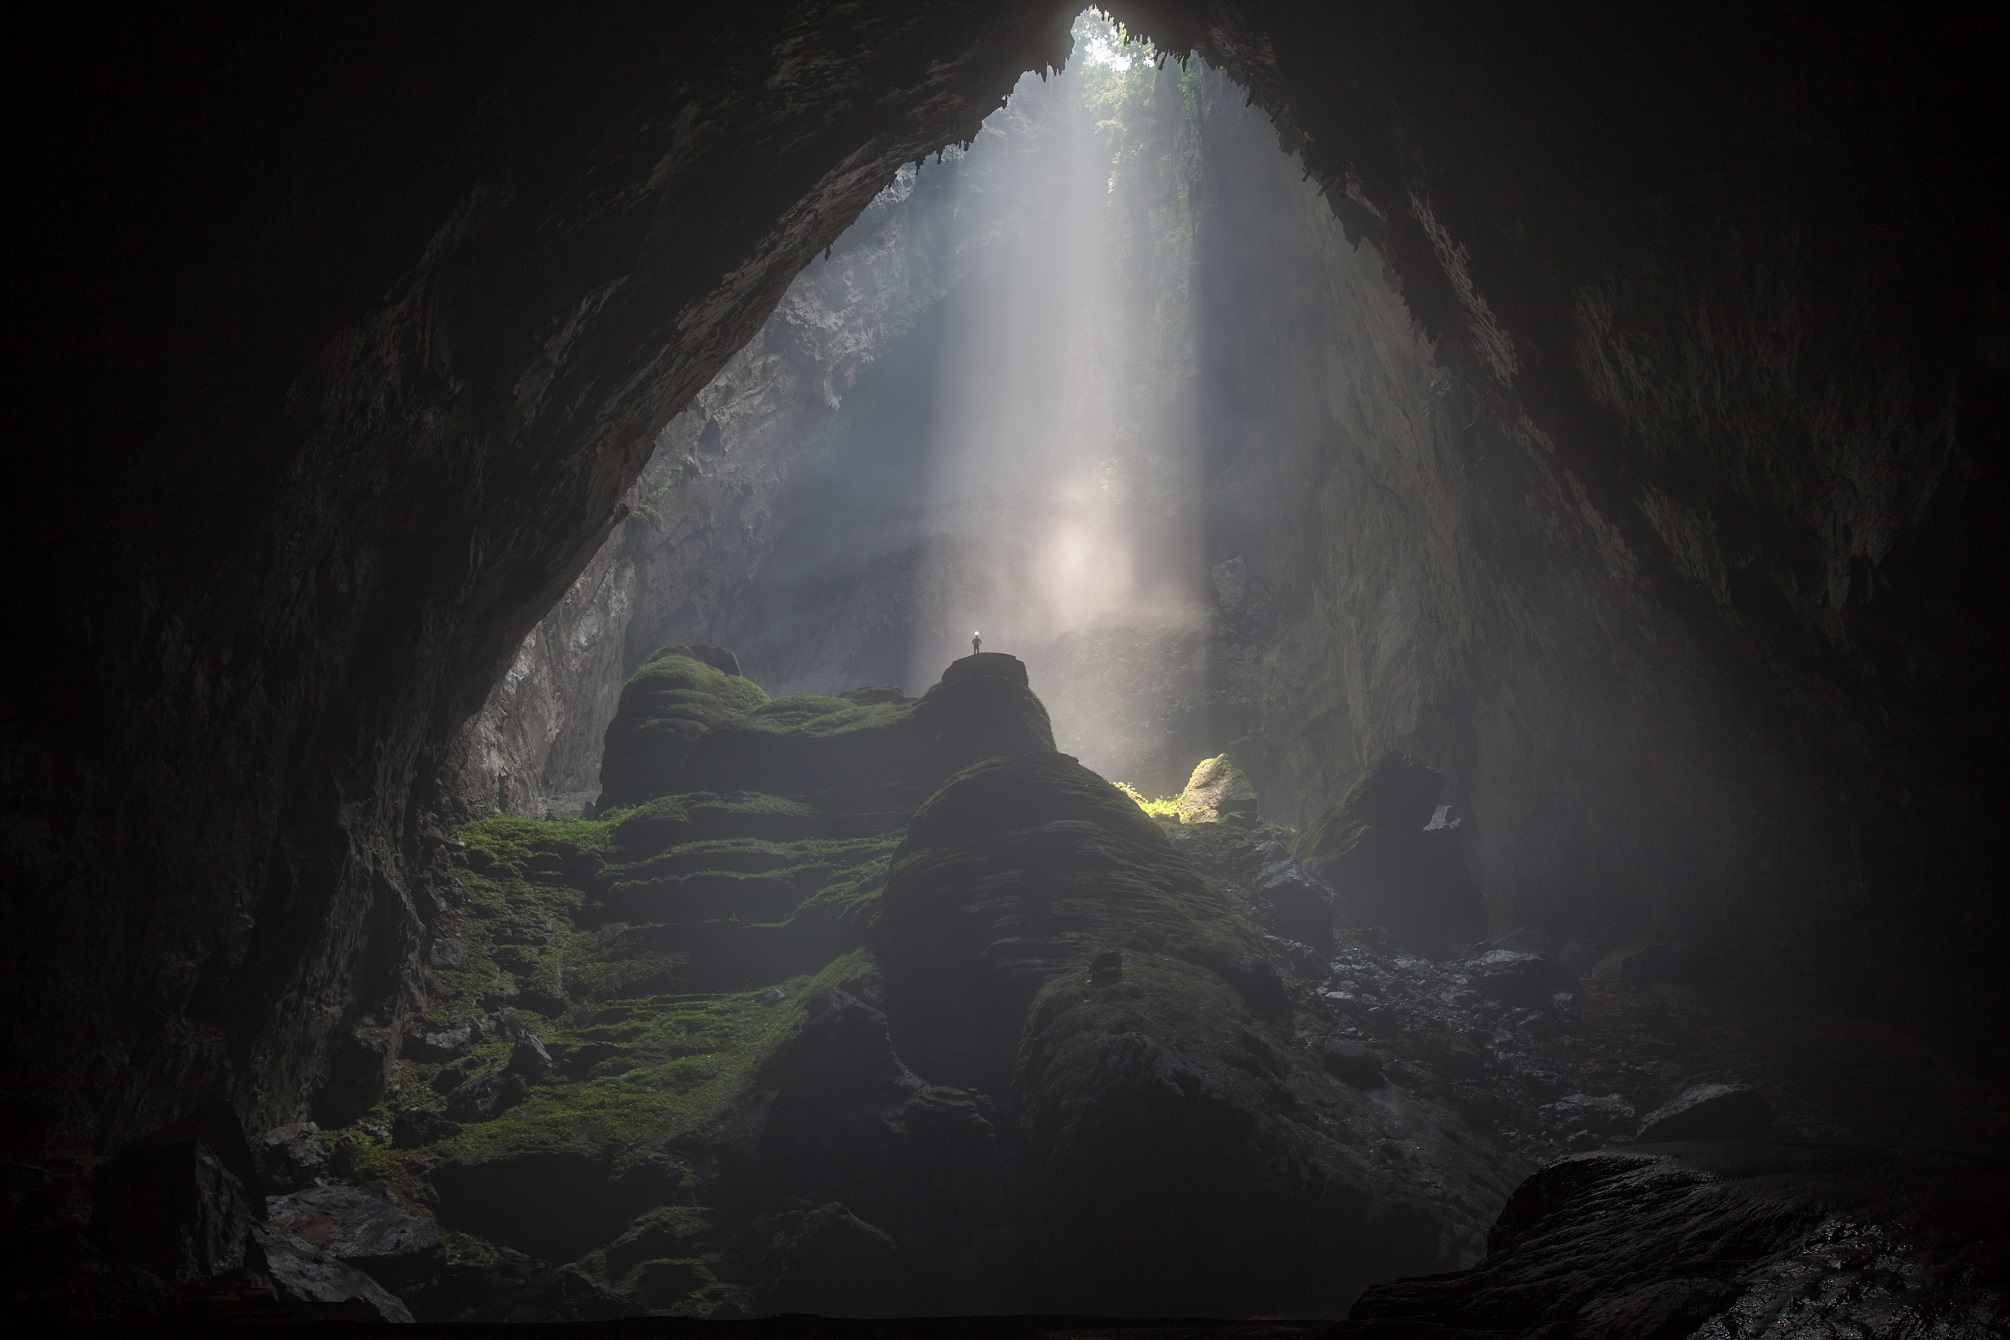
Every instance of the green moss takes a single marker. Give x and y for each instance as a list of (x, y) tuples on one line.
[(1188, 1009), (1041, 843), (856, 870), (813, 746), (645, 1060), (876, 693), (686, 1061), (816, 715), (672, 700), (1161, 807)]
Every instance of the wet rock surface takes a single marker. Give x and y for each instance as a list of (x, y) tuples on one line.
[(1729, 1239), (362, 1226), (1715, 1112), (1393, 858), (300, 1272)]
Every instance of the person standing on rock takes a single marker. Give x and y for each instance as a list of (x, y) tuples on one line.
[(976, 643)]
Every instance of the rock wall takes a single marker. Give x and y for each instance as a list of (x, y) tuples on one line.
[(355, 343), (1629, 300)]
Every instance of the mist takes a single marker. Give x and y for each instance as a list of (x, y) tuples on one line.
[(1026, 463)]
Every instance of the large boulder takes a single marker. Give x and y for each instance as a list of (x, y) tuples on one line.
[(674, 698), (180, 1202), (1392, 857), (363, 1226), (983, 708), (1759, 1240), (1217, 790), (1043, 940), (1022, 869), (855, 752), (873, 748), (300, 1272)]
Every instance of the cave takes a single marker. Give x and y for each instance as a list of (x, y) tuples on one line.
[(1006, 668)]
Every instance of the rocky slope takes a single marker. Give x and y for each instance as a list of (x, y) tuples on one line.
[(809, 1038), (868, 1005)]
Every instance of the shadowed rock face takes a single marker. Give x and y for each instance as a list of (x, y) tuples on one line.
[(665, 707), (1392, 857), (1729, 1239), (407, 447), (1042, 941)]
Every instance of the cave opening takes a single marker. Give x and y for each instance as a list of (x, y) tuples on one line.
[(1480, 529), (1056, 386)]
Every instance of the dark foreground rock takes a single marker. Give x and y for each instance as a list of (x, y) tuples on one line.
[(512, 1287), (299, 1272), (1390, 852), (363, 1226), (1729, 1240), (1185, 1150), (1715, 1112), (178, 1202)]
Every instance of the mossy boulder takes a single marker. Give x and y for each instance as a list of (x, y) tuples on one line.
[(874, 749), (849, 753), (1186, 1157), (983, 708), (678, 694), (1023, 868), (769, 1044), (1044, 941), (1216, 791), (1393, 858)]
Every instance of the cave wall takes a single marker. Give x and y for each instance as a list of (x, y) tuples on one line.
[(303, 573), (699, 521), (1418, 583), (1707, 282), (352, 327)]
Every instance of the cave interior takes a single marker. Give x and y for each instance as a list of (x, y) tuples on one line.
[(1470, 814)]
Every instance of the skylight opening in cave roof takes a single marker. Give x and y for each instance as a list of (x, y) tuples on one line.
[(1101, 41)]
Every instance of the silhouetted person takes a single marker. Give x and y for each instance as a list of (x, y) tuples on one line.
[(976, 643)]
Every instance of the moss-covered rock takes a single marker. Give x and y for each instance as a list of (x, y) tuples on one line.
[(983, 708), (675, 697), (1393, 858), (1185, 1156), (875, 749), (733, 1050), (848, 754), (1216, 791), (1043, 940), (1022, 868)]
